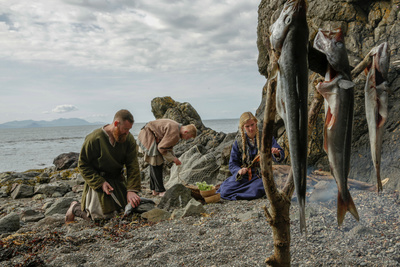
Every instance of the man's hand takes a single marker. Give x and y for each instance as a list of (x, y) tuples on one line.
[(243, 171), (177, 161), (133, 198), (107, 188)]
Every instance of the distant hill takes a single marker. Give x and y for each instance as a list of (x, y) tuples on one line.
[(54, 123)]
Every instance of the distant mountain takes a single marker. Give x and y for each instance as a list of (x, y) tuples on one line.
[(54, 123)]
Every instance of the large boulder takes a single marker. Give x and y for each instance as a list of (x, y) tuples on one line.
[(66, 161), (167, 108), (366, 24), (197, 166)]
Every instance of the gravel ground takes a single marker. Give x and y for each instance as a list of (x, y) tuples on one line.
[(231, 233)]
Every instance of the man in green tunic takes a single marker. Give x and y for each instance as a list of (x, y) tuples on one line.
[(104, 154)]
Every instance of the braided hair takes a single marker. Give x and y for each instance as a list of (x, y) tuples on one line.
[(244, 118)]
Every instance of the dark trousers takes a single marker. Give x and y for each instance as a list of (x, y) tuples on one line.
[(156, 178)]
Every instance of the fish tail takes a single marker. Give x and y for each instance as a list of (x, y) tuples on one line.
[(343, 207)]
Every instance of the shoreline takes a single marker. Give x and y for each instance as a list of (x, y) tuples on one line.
[(228, 233)]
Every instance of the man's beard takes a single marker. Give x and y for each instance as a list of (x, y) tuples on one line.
[(120, 138)]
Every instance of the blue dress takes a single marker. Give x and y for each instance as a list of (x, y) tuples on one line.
[(234, 189)]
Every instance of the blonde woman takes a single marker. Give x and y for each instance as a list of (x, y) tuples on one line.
[(246, 182)]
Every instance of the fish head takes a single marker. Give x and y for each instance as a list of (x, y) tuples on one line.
[(331, 43), (292, 10), (381, 58)]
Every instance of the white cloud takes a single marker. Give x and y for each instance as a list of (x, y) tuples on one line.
[(105, 55), (148, 35), (64, 108)]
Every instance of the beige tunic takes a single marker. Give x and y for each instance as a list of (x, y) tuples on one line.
[(157, 139)]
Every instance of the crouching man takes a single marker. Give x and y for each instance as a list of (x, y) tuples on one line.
[(103, 156)]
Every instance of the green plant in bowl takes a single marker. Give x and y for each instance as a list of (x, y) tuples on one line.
[(203, 186)]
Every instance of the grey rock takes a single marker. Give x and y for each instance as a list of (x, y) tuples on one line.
[(10, 223), (197, 166), (175, 197), (50, 189), (3, 191), (156, 215), (55, 220), (22, 191), (167, 108), (31, 216), (59, 207), (193, 208), (66, 161)]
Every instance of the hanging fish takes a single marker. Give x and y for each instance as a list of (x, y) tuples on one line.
[(338, 92), (289, 38), (376, 103)]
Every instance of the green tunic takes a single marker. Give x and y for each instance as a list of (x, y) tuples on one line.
[(99, 161)]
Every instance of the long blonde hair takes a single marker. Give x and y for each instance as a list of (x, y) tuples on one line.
[(244, 118)]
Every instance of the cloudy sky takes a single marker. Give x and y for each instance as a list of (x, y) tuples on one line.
[(89, 58)]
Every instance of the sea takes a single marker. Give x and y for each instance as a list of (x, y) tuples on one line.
[(23, 149)]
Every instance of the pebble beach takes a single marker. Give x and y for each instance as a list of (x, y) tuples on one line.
[(229, 233)]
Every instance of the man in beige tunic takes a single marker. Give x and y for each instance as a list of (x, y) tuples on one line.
[(104, 154), (156, 140)]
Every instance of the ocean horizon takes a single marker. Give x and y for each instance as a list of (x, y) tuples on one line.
[(23, 149)]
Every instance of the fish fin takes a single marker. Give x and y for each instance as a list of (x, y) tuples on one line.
[(352, 208), (345, 84), (331, 121), (380, 121), (326, 134), (343, 207)]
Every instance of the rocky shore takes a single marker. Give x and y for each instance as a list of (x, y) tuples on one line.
[(179, 230), (226, 233)]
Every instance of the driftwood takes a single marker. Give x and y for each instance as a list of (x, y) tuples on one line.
[(317, 176), (278, 213)]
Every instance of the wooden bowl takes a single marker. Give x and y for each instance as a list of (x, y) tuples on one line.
[(213, 198), (208, 193)]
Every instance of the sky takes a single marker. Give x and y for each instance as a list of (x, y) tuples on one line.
[(89, 58)]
